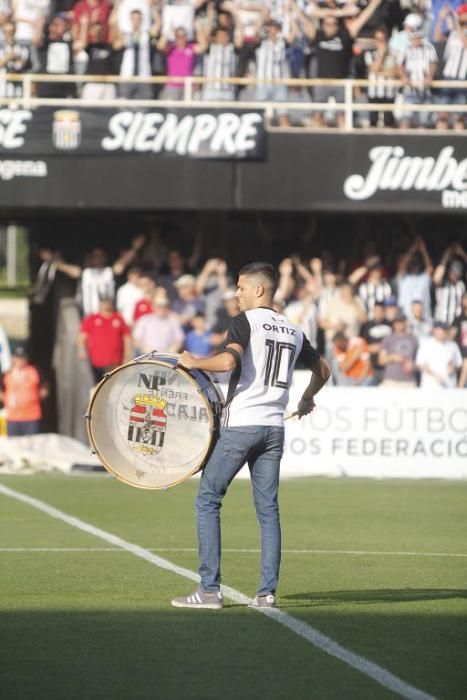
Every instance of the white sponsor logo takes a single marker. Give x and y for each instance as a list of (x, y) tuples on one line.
[(226, 133), (392, 170), (13, 126), (22, 168)]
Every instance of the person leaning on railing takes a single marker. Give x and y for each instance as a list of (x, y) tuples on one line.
[(180, 55), (272, 64), (333, 42), (14, 58), (380, 63), (95, 57), (135, 48), (454, 61), (417, 67), (221, 58), (56, 53)]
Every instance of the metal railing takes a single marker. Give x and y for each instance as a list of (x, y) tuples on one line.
[(193, 96)]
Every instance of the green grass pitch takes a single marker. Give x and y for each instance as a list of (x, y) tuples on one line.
[(92, 623)]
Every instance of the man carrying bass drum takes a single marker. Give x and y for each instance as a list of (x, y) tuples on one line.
[(262, 347)]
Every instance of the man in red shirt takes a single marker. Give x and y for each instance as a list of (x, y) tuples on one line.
[(87, 14), (104, 338), (22, 396)]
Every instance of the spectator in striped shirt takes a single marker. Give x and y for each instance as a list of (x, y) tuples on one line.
[(449, 283), (272, 64), (417, 68), (380, 63), (454, 62), (14, 58), (375, 288), (97, 277), (220, 60)]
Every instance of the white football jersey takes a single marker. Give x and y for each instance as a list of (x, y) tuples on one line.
[(272, 345)]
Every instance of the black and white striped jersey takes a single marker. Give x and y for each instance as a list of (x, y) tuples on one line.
[(271, 60), (220, 62), (379, 87), (417, 61), (370, 293), (272, 345), (449, 301), (455, 58)]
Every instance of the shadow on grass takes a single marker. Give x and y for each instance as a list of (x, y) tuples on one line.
[(218, 655), (379, 595)]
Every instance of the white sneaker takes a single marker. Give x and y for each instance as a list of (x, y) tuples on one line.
[(200, 599), (264, 601)]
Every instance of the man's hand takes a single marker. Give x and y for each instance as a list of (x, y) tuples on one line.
[(305, 406), (187, 360)]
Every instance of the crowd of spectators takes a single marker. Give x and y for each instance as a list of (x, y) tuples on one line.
[(397, 328), (403, 327), (414, 41)]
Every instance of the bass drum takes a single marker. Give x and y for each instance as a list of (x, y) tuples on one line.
[(152, 424)]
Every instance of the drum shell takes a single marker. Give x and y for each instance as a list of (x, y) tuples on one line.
[(153, 424)]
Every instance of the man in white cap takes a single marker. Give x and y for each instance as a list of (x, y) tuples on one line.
[(400, 41)]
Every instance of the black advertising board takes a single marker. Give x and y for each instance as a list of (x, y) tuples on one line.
[(362, 171), (178, 159), (186, 133)]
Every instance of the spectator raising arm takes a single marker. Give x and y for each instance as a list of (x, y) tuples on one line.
[(418, 246), (286, 281), (128, 256), (440, 270), (356, 25)]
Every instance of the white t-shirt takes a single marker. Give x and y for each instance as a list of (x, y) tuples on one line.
[(272, 345), (127, 296), (414, 288), (441, 358), (32, 10), (179, 14)]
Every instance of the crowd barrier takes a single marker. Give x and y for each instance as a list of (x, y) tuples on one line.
[(352, 432), (354, 95), (378, 432)]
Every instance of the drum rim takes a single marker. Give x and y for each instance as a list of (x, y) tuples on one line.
[(90, 435)]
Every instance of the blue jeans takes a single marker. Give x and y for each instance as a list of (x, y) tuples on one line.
[(261, 447)]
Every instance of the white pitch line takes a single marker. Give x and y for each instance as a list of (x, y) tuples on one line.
[(232, 550), (302, 629)]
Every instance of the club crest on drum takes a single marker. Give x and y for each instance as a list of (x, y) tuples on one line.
[(147, 423)]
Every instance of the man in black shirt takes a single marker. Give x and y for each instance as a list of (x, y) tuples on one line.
[(333, 43), (101, 61), (55, 54)]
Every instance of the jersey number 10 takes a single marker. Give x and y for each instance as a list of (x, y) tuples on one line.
[(279, 359)]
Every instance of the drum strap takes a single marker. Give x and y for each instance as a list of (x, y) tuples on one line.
[(235, 376)]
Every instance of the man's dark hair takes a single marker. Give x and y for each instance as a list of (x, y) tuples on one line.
[(262, 268)]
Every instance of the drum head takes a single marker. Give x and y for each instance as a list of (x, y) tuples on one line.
[(150, 424)]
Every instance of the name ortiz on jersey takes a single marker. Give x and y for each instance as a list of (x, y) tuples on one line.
[(272, 346)]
